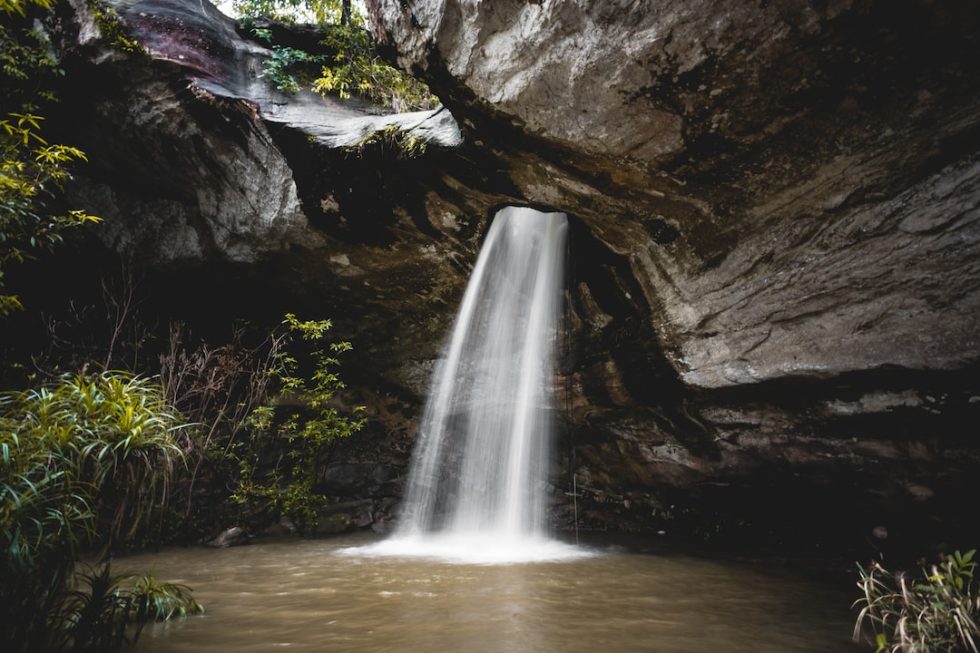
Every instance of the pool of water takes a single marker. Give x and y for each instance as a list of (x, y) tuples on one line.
[(304, 595)]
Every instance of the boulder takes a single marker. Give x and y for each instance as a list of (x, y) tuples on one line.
[(234, 536)]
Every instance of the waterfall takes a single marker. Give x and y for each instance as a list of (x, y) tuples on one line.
[(478, 481), (481, 460)]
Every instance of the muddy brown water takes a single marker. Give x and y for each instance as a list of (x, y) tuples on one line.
[(299, 595)]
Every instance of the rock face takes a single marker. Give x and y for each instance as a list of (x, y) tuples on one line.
[(776, 149), (230, 194), (775, 286), (197, 201), (793, 192)]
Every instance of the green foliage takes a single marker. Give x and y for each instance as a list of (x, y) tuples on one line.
[(297, 420), (402, 141), (323, 12), (267, 412), (108, 612), (84, 461), (110, 436), (290, 69), (353, 66), (20, 7), (113, 28), (27, 66), (939, 612), (32, 170), (357, 69)]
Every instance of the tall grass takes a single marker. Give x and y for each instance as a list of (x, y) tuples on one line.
[(937, 612), (85, 463), (107, 612)]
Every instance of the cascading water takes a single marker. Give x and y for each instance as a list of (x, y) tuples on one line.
[(488, 416), (479, 471)]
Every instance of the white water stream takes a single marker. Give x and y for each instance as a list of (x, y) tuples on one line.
[(479, 471)]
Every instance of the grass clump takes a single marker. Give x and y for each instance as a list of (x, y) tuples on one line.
[(108, 612), (404, 142), (85, 464), (935, 612)]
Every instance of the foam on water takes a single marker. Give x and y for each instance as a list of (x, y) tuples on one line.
[(472, 548)]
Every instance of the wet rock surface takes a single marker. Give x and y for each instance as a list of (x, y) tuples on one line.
[(234, 536), (774, 284)]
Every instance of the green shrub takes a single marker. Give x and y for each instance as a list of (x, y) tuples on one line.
[(84, 462), (290, 69), (352, 65), (32, 170), (113, 29), (293, 425), (358, 69), (267, 413), (936, 613)]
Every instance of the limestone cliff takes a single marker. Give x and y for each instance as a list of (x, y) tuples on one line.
[(775, 283)]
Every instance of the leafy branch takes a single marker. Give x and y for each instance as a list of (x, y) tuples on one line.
[(349, 64)]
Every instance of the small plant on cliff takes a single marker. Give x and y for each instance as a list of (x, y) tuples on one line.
[(937, 612), (358, 69), (113, 28), (403, 141), (290, 69)]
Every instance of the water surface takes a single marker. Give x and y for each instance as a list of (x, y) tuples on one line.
[(299, 595)]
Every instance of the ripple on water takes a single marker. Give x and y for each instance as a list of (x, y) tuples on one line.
[(613, 601)]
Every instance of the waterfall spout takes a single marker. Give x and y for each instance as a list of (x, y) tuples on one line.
[(477, 487)]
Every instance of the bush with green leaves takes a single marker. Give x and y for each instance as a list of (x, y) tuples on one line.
[(936, 612), (113, 29), (32, 170), (323, 12), (28, 67), (291, 69), (349, 64), (267, 413), (85, 462), (286, 435), (357, 69)]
